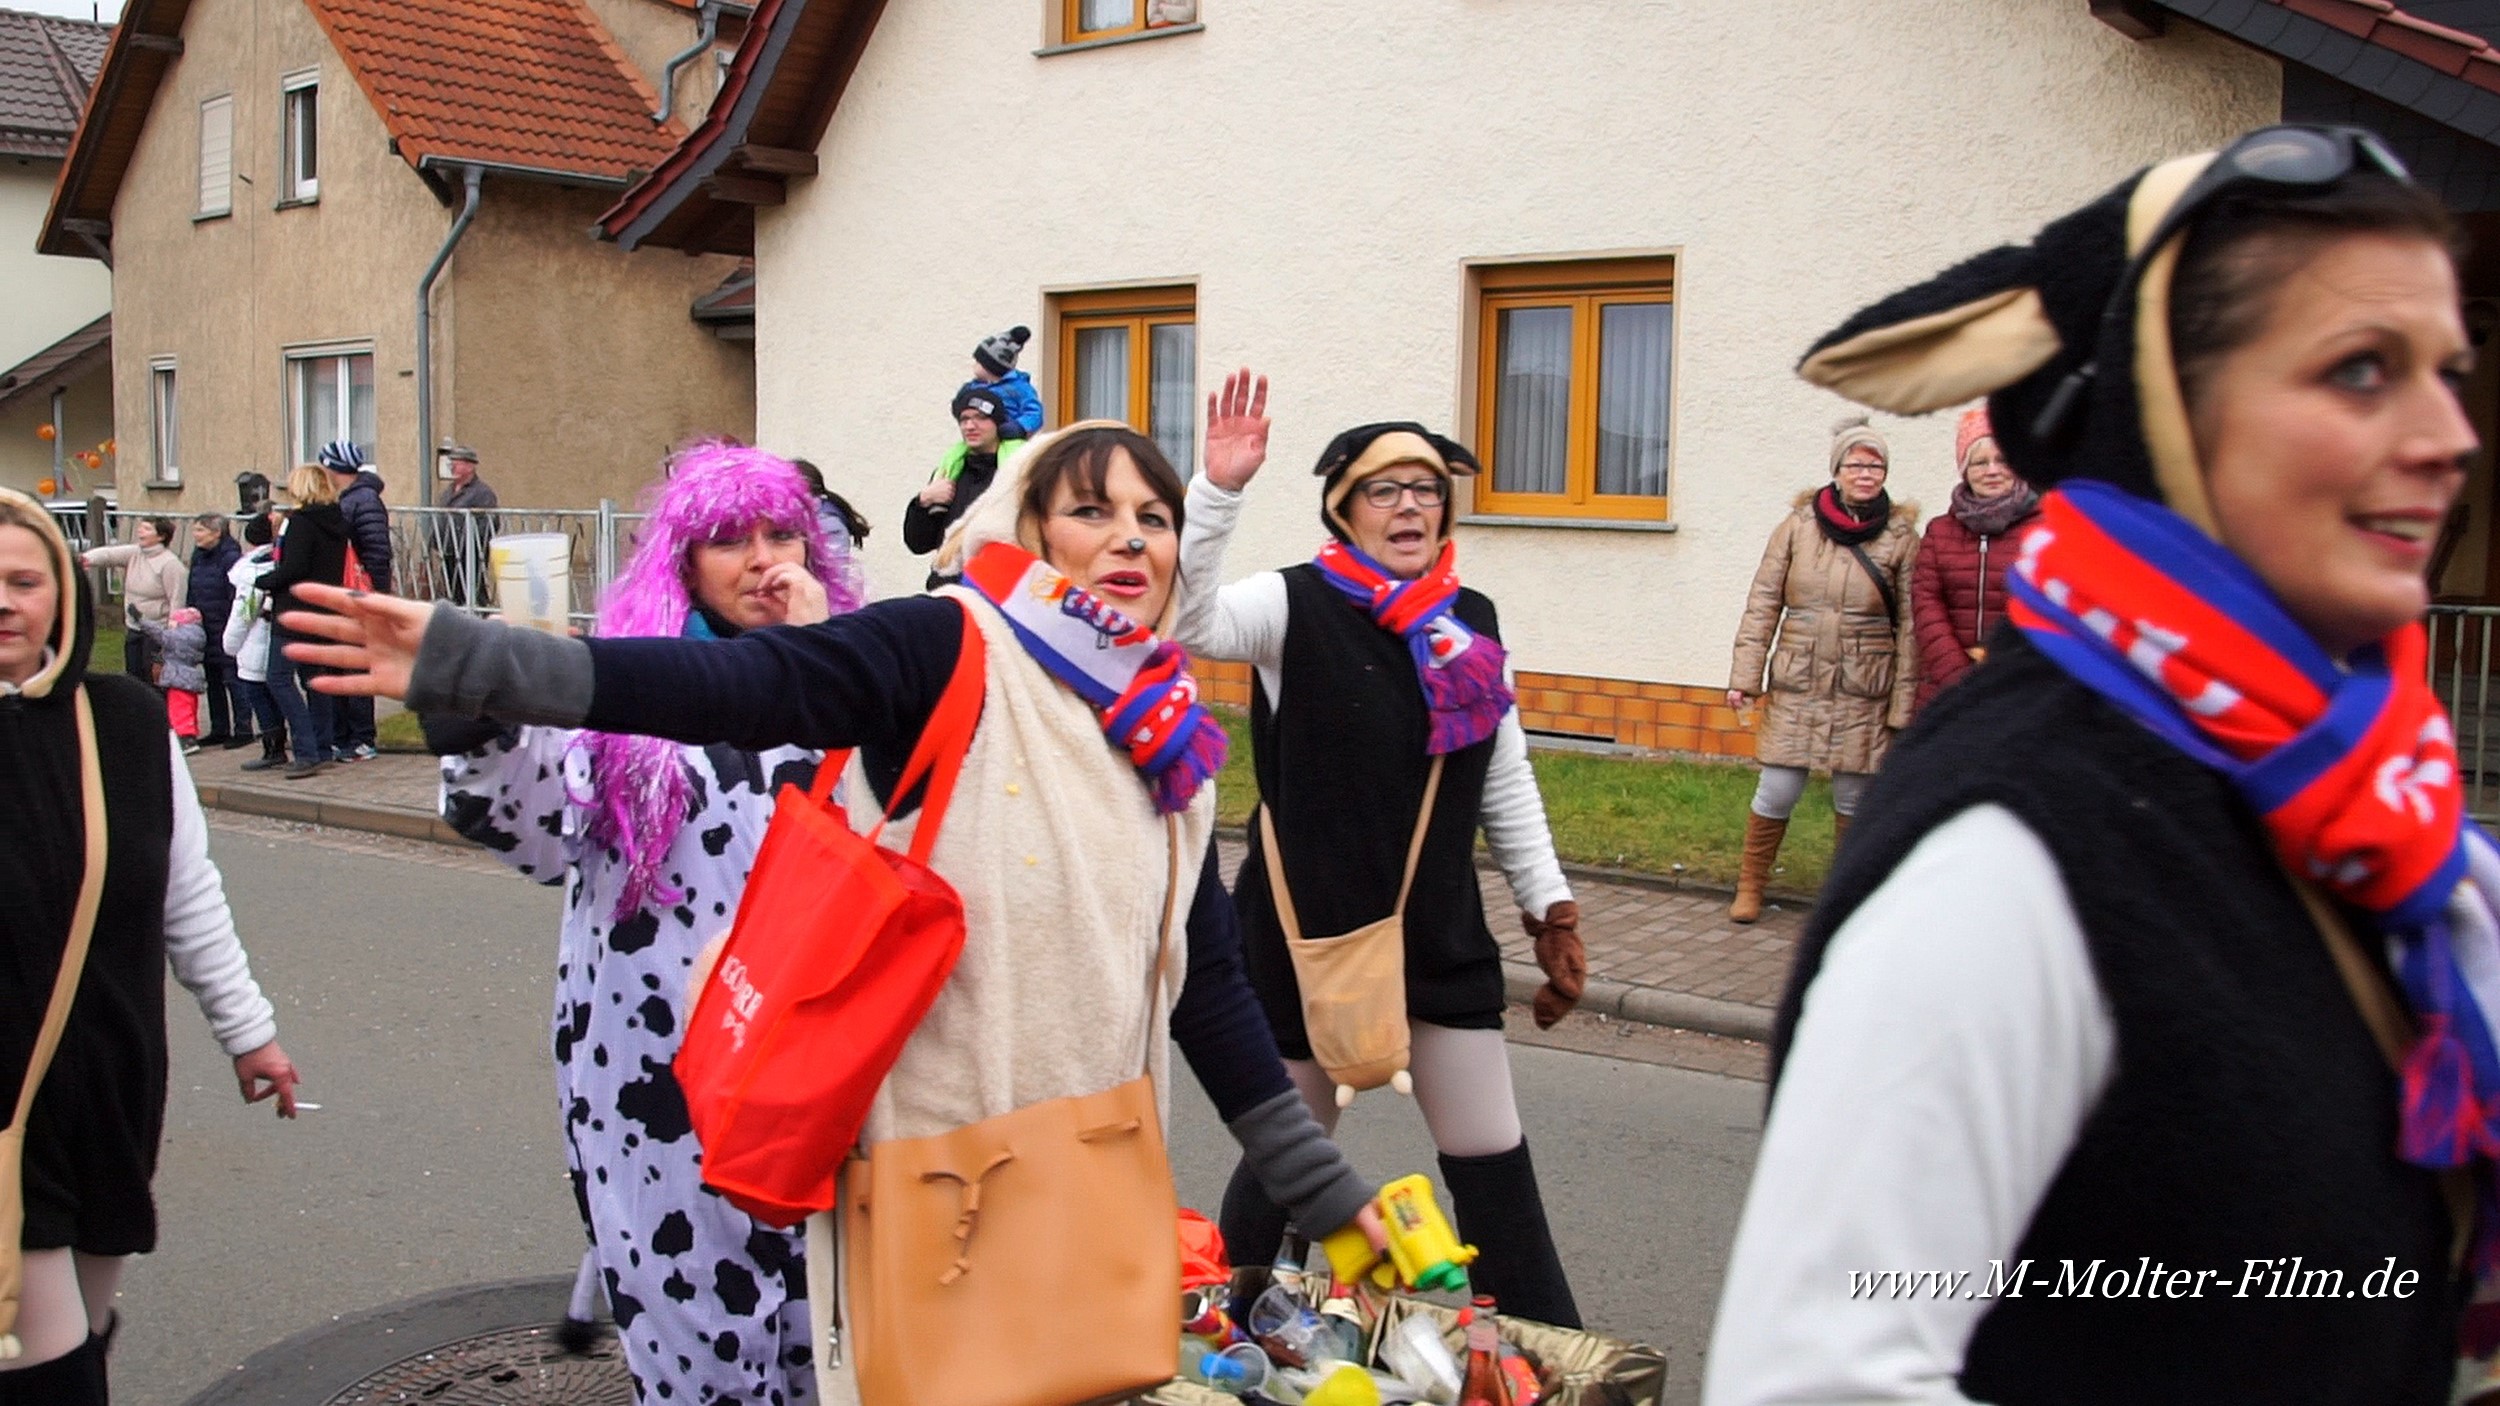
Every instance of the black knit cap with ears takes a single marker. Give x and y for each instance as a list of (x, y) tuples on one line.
[(2013, 323), (1349, 446)]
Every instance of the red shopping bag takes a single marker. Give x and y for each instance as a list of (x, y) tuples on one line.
[(356, 578), (839, 949)]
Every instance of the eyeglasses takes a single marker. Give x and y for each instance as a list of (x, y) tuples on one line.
[(1385, 493), (2285, 157), (1860, 466)]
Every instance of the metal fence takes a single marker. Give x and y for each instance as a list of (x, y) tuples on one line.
[(437, 554), (2460, 660)]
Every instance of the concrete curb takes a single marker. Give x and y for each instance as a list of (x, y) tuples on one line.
[(1615, 999), (308, 809), (1651, 1005)]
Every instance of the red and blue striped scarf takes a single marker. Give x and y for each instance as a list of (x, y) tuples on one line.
[(2353, 769), (1140, 684), (1460, 670)]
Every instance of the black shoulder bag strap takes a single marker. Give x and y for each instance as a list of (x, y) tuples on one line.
[(1883, 583)]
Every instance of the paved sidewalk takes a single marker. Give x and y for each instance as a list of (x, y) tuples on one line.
[(1657, 954)]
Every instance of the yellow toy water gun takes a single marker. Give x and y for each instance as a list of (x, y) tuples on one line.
[(1424, 1252)]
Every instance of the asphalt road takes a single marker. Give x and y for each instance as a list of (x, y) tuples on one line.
[(412, 986)]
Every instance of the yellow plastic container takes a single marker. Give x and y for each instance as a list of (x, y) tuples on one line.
[(1424, 1253)]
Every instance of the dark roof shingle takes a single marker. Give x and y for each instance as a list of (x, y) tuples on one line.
[(46, 67)]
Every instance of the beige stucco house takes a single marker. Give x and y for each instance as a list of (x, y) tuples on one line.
[(1591, 240), (56, 323), (271, 181)]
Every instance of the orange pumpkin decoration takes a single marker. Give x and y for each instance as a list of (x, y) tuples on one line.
[(46, 487), (46, 433), (92, 459), (112, 447)]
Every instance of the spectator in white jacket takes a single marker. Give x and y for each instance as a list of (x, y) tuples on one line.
[(247, 641)]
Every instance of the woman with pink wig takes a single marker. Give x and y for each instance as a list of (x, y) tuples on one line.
[(652, 841)]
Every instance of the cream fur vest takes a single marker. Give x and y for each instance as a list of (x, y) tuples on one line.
[(1053, 841)]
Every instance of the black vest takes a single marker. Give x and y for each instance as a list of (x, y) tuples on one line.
[(1342, 763), (2250, 1117)]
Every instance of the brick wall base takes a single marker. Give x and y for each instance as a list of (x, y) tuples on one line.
[(1652, 717)]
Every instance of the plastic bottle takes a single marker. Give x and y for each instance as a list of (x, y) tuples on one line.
[(1345, 1327), (1484, 1384), (1235, 1371), (1423, 1250), (1287, 1273)]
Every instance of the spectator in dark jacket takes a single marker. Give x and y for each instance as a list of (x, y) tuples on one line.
[(369, 531), (981, 417), (213, 555), (313, 547), (1957, 586), (455, 538)]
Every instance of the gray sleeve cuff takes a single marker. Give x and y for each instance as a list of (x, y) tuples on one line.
[(1298, 1167), (475, 668)]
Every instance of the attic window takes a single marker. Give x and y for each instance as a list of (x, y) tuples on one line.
[(1086, 20), (302, 137)]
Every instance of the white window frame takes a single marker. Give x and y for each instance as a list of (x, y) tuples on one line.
[(299, 177), (216, 165), (338, 354), (164, 422)]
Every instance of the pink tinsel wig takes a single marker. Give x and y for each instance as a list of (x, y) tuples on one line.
[(639, 790)]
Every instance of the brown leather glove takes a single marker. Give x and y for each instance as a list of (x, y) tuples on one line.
[(1565, 961)]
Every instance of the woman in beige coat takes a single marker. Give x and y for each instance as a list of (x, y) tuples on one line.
[(1834, 591), (155, 584)]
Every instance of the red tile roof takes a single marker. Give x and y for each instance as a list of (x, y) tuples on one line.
[(2380, 22), (534, 84)]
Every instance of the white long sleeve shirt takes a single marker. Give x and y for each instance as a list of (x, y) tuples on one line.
[(1246, 621), (200, 942), (1952, 1045)]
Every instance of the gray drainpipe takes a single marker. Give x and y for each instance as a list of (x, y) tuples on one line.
[(472, 181), (702, 41)]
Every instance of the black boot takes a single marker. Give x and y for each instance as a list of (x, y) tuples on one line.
[(1503, 1216), (272, 751), (1252, 1225), (74, 1380)]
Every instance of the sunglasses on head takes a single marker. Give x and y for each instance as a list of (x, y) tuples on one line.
[(2283, 158)]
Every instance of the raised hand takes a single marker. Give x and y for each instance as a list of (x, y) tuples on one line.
[(374, 639), (1236, 442)]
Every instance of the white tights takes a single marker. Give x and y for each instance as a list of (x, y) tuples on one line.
[(68, 1294), (1462, 1084), (1775, 795)]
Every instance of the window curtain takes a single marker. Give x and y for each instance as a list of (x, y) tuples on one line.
[(1532, 409), (1634, 342), (359, 378), (1102, 373), (1107, 14), (1174, 393)]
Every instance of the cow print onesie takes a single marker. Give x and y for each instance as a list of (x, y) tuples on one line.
[(710, 1305)]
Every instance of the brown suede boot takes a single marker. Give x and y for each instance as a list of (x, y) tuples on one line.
[(1762, 850)]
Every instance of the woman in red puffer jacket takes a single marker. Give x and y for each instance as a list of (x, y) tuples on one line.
[(1957, 586)]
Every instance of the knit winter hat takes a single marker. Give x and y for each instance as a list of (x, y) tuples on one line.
[(1365, 450), (1967, 431), (341, 456), (981, 403), (1853, 431), (997, 355)]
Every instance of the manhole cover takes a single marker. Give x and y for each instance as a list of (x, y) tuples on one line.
[(513, 1365)]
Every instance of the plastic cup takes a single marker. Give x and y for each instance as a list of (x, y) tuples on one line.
[(533, 579)]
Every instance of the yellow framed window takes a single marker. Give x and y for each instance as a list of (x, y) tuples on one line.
[(1081, 20), (1574, 403), (1132, 354)]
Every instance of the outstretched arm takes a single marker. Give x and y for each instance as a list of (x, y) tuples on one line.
[(869, 678)]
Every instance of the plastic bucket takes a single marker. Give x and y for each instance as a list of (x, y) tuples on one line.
[(533, 579)]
